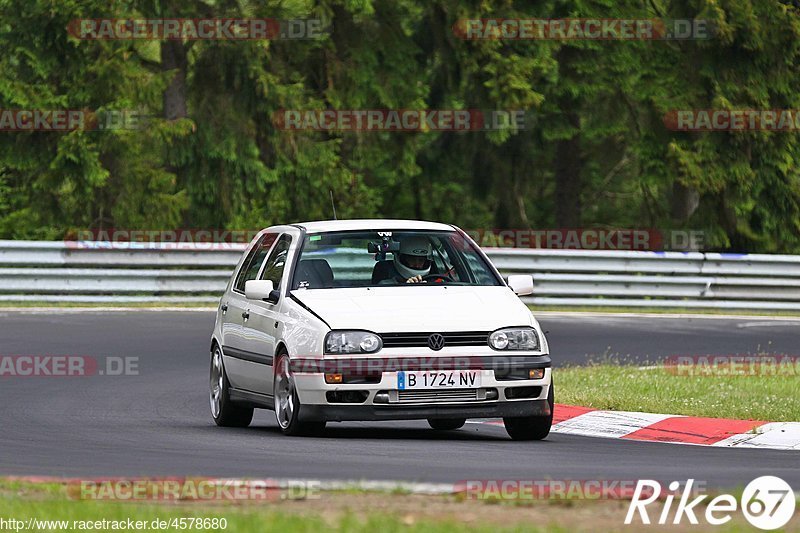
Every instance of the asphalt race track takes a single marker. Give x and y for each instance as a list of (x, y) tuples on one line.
[(157, 423)]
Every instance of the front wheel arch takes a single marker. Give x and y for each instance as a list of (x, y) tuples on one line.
[(281, 349)]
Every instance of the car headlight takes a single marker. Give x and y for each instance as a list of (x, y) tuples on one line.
[(514, 339), (352, 342)]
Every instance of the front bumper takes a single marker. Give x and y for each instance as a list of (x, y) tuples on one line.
[(500, 409), (494, 397)]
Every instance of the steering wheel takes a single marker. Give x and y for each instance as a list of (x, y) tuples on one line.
[(434, 277)]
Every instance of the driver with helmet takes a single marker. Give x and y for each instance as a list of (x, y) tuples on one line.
[(412, 262)]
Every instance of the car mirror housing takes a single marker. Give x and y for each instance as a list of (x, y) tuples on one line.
[(521, 284), (259, 289)]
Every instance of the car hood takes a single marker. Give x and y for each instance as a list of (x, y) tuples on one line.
[(417, 308)]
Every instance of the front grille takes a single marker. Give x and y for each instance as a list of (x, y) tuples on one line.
[(433, 396), (453, 338)]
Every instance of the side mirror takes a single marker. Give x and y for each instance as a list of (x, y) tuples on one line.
[(260, 289), (521, 284)]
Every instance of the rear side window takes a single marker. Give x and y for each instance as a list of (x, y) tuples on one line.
[(253, 261), (276, 263)]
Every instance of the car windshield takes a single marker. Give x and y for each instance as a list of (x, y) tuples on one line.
[(390, 258)]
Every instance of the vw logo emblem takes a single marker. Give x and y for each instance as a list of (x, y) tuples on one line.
[(436, 342)]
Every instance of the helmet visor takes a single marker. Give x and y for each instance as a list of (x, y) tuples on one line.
[(415, 262)]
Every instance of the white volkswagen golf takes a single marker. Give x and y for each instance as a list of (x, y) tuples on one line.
[(377, 320)]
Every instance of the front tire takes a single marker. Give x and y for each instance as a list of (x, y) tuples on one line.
[(446, 424), (287, 402), (224, 412), (531, 427)]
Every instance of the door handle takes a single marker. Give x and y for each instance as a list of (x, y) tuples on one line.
[(246, 314), (224, 308)]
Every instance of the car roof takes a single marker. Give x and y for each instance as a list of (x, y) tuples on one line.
[(321, 226)]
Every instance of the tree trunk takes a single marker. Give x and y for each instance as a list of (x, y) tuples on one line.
[(568, 166), (685, 201), (173, 56)]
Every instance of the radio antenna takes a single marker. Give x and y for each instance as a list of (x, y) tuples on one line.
[(333, 205)]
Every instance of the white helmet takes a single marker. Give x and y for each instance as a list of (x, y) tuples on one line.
[(414, 257)]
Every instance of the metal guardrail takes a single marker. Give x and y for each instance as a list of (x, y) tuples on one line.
[(119, 272), (656, 279)]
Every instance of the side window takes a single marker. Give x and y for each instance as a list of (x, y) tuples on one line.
[(277, 261), (468, 264), (253, 261)]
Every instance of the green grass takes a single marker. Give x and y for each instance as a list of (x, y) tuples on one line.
[(242, 519), (334, 511), (49, 501), (773, 398)]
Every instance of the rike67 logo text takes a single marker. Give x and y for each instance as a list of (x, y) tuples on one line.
[(767, 502)]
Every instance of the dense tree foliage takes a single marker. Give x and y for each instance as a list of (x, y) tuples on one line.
[(595, 151)]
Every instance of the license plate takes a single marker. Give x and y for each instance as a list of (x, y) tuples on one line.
[(447, 379)]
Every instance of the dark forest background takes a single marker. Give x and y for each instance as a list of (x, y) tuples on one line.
[(597, 154)]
